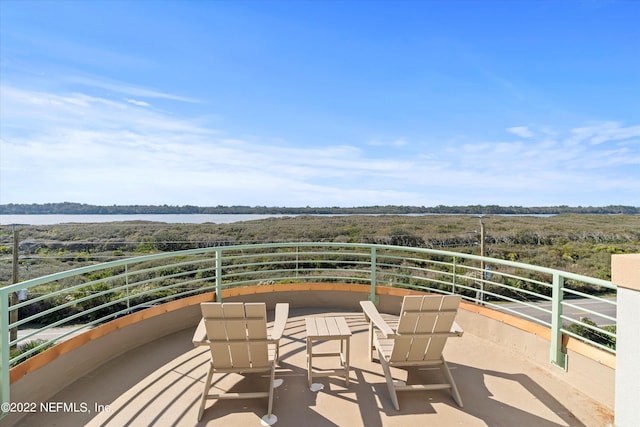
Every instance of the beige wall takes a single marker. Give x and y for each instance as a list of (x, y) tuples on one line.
[(625, 273)]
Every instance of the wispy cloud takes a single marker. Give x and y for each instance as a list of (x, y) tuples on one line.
[(399, 142), (138, 103), (599, 133), (126, 89), (81, 111), (100, 150), (521, 131)]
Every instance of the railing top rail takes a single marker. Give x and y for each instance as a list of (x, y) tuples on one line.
[(163, 255)]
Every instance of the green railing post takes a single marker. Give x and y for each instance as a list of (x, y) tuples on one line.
[(126, 282), (219, 275), (453, 278), (4, 351), (556, 355), (374, 268)]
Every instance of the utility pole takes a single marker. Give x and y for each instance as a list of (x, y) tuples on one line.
[(13, 297), (482, 275), (482, 246)]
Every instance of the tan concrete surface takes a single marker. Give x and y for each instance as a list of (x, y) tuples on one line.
[(160, 384)]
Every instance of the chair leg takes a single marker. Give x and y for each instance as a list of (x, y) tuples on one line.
[(271, 387), (371, 347), (270, 418), (389, 378), (205, 392), (454, 389)]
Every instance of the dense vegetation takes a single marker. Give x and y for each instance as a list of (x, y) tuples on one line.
[(572, 242), (578, 243), (84, 209)]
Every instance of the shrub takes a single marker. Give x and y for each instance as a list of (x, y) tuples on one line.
[(595, 336), (29, 345)]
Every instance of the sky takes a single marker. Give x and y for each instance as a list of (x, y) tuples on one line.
[(320, 103)]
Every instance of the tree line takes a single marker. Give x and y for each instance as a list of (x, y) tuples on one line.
[(69, 208)]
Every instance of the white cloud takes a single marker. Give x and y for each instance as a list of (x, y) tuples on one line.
[(77, 147), (521, 131), (138, 103), (399, 142), (599, 133), (127, 89)]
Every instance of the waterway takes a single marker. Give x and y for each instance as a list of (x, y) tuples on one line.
[(167, 218), (53, 219)]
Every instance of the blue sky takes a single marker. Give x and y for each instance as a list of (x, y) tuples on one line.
[(320, 103)]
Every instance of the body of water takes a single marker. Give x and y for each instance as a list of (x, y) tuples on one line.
[(169, 218)]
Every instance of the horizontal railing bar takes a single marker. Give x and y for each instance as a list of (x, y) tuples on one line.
[(519, 314), (590, 296), (589, 311), (70, 273)]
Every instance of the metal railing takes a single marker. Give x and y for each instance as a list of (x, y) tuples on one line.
[(82, 298)]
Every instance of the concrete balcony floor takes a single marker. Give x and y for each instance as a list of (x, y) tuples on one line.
[(160, 383)]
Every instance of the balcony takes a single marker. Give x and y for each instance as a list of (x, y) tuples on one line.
[(120, 366)]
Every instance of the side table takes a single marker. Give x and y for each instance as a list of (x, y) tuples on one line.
[(328, 329)]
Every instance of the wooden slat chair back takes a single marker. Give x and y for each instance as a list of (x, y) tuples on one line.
[(237, 336), (422, 318)]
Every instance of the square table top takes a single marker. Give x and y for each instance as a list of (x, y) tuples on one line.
[(327, 327)]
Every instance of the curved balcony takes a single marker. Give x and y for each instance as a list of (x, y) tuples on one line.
[(121, 351)]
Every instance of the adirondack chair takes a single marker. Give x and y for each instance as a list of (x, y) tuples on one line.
[(424, 325), (236, 334)]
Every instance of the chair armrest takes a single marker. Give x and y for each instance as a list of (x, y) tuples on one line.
[(371, 312), (280, 321), (456, 329), (200, 335)]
